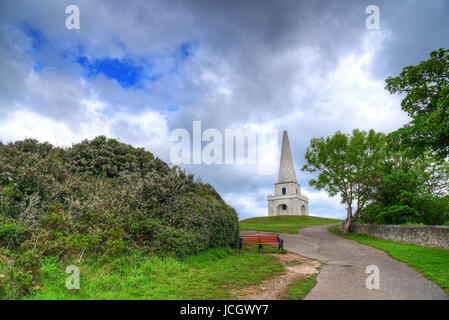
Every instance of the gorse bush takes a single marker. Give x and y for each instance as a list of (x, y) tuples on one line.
[(99, 198)]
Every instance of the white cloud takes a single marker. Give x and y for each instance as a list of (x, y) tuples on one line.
[(22, 123), (347, 97), (148, 129), (246, 204), (324, 206)]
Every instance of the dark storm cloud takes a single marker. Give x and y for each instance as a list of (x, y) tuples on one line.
[(244, 40), (310, 67), (417, 28)]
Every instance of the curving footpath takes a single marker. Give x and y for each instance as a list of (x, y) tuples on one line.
[(344, 265)]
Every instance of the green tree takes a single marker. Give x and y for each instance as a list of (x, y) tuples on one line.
[(409, 190), (347, 167), (426, 89)]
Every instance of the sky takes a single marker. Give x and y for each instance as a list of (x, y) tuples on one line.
[(138, 70)]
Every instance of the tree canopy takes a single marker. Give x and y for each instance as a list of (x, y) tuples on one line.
[(375, 176), (426, 89), (347, 166), (409, 190)]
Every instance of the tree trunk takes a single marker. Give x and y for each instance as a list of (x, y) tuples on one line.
[(347, 225), (349, 220)]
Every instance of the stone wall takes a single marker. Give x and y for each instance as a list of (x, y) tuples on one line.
[(437, 236)]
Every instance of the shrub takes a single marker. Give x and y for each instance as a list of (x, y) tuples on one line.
[(97, 199), (409, 191), (419, 210)]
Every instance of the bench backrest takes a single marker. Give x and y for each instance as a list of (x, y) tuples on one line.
[(260, 239)]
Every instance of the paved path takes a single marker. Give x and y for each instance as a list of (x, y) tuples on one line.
[(344, 264)]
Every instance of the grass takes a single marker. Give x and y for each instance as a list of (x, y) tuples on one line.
[(284, 224), (209, 275), (299, 289), (431, 262)]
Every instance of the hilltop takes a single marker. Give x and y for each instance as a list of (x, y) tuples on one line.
[(284, 224)]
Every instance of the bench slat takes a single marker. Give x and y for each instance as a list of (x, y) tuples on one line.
[(249, 237), (261, 240)]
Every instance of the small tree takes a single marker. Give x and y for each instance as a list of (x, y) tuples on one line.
[(426, 89), (347, 166)]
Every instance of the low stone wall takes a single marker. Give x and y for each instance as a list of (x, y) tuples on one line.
[(437, 236)]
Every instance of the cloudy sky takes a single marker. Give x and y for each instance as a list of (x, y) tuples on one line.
[(137, 70)]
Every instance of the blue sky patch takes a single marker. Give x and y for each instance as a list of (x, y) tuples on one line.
[(185, 50), (36, 37), (182, 53), (171, 108), (38, 67), (127, 73), (124, 71), (37, 41)]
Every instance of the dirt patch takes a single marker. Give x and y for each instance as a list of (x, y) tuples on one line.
[(296, 267)]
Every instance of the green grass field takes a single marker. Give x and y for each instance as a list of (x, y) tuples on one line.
[(209, 275), (284, 224), (299, 289), (431, 262)]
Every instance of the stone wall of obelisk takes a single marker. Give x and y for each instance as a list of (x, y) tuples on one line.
[(287, 198)]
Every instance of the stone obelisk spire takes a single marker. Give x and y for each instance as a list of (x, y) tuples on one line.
[(287, 198), (286, 168)]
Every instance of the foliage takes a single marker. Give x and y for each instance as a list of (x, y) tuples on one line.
[(284, 224), (347, 166), (409, 190), (386, 184), (433, 263), (426, 89), (99, 198)]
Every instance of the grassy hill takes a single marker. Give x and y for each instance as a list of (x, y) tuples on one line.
[(284, 224), (96, 201)]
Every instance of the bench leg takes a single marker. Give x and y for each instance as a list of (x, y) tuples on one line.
[(281, 245), (241, 243), (261, 248)]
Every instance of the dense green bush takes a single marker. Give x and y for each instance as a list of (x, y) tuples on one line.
[(428, 211), (409, 191), (99, 198)]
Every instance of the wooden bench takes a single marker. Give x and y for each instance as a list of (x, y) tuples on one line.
[(261, 240)]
